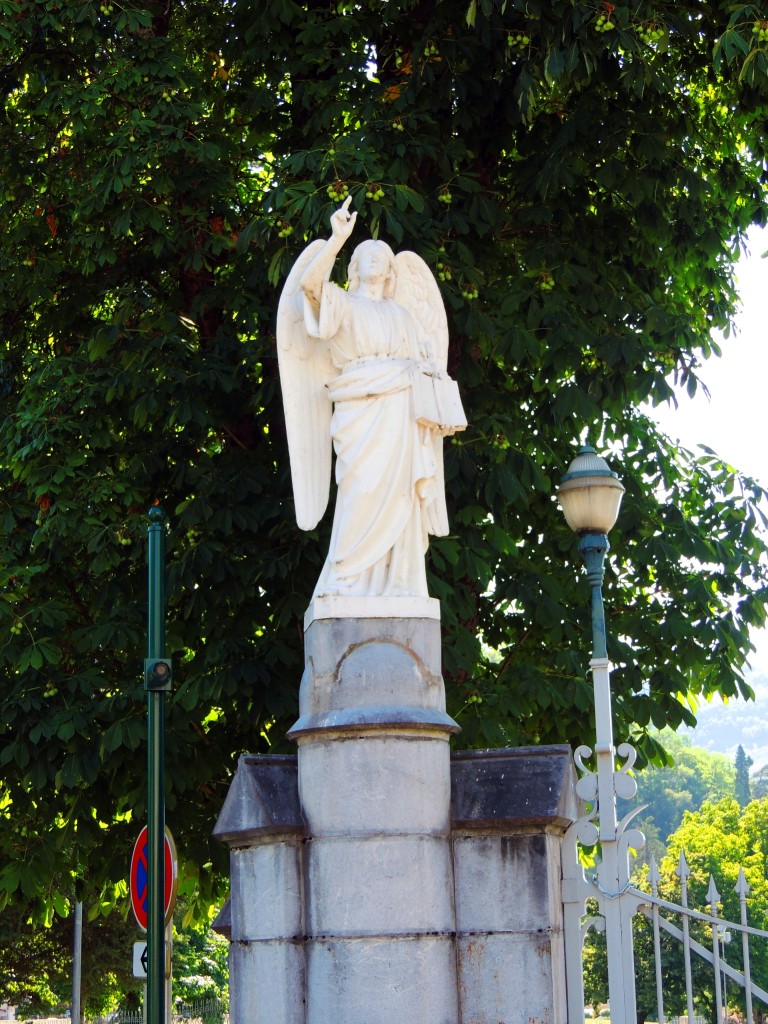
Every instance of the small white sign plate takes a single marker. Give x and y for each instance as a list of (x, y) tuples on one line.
[(139, 959)]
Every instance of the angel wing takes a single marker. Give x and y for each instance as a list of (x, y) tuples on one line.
[(417, 291), (305, 368)]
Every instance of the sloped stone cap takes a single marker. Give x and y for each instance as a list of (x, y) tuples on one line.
[(489, 789), (222, 923), (373, 719), (263, 799), (514, 786)]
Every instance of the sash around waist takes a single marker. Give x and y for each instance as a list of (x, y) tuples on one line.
[(371, 377)]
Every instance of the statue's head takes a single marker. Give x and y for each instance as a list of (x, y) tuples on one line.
[(372, 258)]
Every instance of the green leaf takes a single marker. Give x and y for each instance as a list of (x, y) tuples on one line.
[(554, 65)]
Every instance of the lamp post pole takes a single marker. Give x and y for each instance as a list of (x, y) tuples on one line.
[(612, 871), (593, 548), (590, 495), (157, 681)]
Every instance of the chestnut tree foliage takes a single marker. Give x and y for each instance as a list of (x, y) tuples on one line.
[(579, 176)]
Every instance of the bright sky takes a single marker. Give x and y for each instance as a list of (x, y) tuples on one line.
[(734, 420)]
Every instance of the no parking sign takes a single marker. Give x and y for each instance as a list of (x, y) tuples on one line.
[(139, 878)]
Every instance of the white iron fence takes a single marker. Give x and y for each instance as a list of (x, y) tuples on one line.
[(694, 955), (719, 933), (696, 936)]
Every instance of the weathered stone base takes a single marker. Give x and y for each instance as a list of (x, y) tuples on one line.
[(375, 879), (503, 964)]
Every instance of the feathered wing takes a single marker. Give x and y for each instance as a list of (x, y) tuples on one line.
[(417, 291), (305, 368)]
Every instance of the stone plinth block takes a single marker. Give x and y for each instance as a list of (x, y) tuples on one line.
[(379, 885), (262, 824), (382, 981), (336, 606), (508, 979), (396, 782), (510, 809), (266, 983), (265, 886), (502, 885)]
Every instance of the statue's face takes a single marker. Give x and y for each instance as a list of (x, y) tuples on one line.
[(373, 262)]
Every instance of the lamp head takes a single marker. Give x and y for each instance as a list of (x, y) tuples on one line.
[(590, 494)]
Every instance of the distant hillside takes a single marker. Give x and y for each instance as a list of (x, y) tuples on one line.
[(722, 727), (698, 775)]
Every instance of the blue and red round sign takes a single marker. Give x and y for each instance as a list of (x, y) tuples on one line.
[(139, 878)]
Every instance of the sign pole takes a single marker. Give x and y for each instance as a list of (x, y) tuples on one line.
[(77, 962), (169, 974), (157, 682)]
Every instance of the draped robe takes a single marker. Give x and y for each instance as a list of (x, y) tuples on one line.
[(385, 461)]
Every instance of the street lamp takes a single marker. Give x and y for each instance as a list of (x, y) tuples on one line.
[(590, 495)]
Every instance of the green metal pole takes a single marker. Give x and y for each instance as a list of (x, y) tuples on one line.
[(593, 548), (155, 772)]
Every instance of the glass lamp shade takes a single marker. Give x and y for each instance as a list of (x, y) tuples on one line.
[(590, 494)]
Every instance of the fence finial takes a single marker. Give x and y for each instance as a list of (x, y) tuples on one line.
[(742, 886), (713, 895), (683, 871), (654, 876)]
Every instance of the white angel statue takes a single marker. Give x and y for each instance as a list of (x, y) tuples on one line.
[(363, 371)]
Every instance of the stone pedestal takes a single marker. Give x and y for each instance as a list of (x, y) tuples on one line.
[(374, 880), (374, 788)]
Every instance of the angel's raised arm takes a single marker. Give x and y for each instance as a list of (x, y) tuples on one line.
[(342, 223)]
